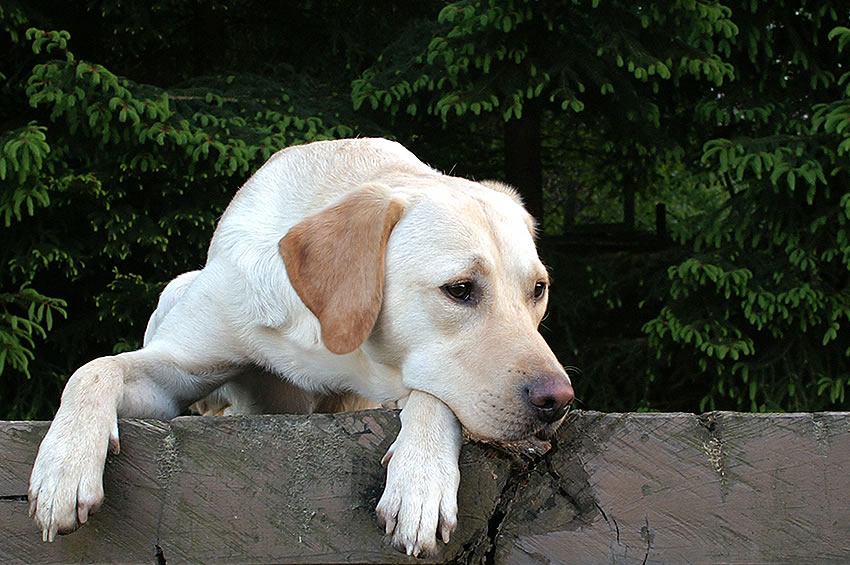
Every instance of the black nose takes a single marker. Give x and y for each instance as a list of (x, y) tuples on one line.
[(550, 396)]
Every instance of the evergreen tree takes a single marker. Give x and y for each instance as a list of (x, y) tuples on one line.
[(117, 162), (126, 128), (732, 115)]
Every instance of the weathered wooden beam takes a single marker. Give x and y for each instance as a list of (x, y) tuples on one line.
[(612, 488)]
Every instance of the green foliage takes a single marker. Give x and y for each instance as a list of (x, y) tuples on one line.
[(488, 56), (114, 186), (763, 304), (17, 332), (734, 116), (119, 149)]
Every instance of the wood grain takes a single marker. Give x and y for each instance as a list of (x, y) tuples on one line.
[(613, 488), (679, 488)]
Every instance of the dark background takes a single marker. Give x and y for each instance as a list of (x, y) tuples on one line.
[(687, 164)]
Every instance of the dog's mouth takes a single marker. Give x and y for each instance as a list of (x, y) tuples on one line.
[(548, 431), (515, 429), (496, 417)]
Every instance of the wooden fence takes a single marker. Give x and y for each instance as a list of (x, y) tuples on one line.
[(611, 488)]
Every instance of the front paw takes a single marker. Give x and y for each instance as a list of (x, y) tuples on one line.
[(420, 499), (66, 484)]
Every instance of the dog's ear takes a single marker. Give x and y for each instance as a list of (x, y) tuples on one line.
[(335, 261)]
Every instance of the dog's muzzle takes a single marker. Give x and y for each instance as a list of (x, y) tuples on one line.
[(549, 397)]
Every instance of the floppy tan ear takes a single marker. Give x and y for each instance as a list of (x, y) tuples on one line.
[(335, 261)]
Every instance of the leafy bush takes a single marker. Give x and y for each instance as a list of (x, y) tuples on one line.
[(762, 305), (736, 117), (110, 188), (121, 146)]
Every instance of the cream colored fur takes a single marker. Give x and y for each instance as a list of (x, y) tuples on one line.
[(329, 280)]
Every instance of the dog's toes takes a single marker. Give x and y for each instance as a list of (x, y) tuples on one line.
[(411, 519), (446, 529), (414, 546), (64, 502), (87, 508), (66, 484), (48, 533), (448, 517), (387, 515), (385, 460), (402, 529), (416, 535), (52, 517), (114, 443)]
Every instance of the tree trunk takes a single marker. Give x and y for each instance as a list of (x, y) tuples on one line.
[(523, 167)]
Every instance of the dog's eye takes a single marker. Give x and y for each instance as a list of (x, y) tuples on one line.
[(461, 291), (540, 290)]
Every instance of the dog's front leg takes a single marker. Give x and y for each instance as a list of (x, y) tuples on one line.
[(66, 484), (422, 476)]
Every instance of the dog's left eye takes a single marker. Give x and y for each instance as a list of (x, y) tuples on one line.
[(461, 292), (540, 290)]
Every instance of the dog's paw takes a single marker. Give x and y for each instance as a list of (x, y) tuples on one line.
[(420, 498), (66, 484)]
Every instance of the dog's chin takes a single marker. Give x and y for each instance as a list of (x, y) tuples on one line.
[(517, 432), (547, 432)]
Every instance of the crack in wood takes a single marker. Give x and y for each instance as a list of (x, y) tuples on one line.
[(497, 518), (715, 450), (168, 463), (609, 522), (647, 535), (524, 463), (159, 555)]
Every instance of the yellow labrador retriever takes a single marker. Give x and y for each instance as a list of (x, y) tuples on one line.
[(341, 267)]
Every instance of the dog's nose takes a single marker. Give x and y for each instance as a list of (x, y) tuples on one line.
[(550, 396)]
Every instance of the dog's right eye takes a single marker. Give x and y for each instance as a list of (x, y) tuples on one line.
[(461, 291)]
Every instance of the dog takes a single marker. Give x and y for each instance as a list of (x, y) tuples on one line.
[(348, 270), (255, 390)]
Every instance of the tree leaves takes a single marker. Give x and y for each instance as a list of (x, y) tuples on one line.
[(535, 53), (104, 180), (785, 226), (17, 332), (736, 120)]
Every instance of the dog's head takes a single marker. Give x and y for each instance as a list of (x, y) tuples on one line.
[(439, 277)]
